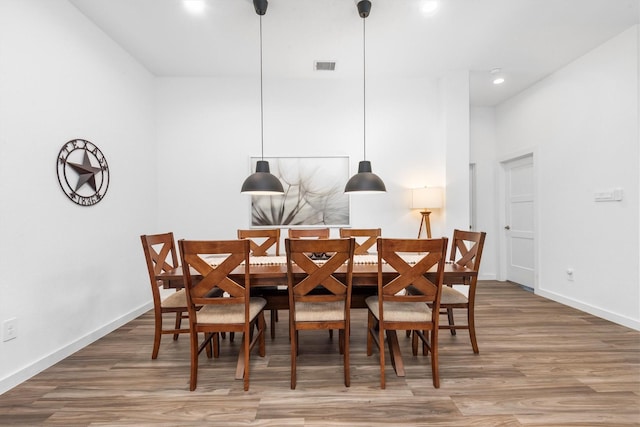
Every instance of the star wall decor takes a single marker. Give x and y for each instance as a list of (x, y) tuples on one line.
[(83, 172)]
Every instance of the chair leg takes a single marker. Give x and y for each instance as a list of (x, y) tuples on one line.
[(178, 322), (347, 369), (157, 335), (261, 329), (414, 344), (370, 325), (425, 345), (294, 351), (381, 348), (208, 348), (341, 341), (273, 319), (216, 345), (450, 318), (472, 329), (434, 358), (245, 345), (194, 361)]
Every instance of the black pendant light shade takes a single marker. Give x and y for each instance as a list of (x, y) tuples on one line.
[(262, 182), (364, 181)]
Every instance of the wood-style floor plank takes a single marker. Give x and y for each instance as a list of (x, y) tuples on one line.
[(540, 364)]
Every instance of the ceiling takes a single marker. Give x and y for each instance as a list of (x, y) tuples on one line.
[(527, 39)]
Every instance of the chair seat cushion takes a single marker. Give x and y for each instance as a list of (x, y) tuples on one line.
[(176, 299), (452, 296), (179, 298), (320, 311), (395, 311), (229, 313)]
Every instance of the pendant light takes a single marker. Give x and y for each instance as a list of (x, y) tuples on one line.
[(364, 181), (262, 182)]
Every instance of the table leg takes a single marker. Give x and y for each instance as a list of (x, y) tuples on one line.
[(394, 352)]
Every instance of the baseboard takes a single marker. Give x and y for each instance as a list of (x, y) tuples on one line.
[(24, 374), (487, 276), (604, 314)]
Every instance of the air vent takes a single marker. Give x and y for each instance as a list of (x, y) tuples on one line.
[(324, 65)]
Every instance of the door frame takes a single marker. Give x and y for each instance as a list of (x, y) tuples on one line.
[(502, 207)]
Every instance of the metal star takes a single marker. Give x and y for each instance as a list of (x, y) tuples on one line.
[(86, 172)]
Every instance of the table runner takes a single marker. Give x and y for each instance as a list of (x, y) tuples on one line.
[(281, 259)]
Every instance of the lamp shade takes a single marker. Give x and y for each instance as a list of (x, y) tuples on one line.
[(262, 182), (426, 198), (365, 181)]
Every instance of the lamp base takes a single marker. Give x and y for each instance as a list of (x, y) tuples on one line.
[(424, 222)]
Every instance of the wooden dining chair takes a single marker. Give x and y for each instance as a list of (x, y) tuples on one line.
[(265, 242), (309, 233), (308, 307), (365, 238), (394, 309), (237, 311), (466, 250), (160, 256)]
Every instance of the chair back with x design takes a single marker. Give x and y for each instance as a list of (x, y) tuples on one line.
[(365, 238)]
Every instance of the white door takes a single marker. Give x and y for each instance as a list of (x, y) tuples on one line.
[(519, 232)]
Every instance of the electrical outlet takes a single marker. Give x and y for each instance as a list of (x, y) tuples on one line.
[(9, 329), (570, 274)]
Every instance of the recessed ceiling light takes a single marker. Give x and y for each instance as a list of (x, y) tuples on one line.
[(429, 6), (194, 6), (497, 76)]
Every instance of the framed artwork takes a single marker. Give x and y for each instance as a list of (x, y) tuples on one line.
[(313, 193)]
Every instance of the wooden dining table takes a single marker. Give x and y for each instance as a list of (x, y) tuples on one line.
[(271, 271)]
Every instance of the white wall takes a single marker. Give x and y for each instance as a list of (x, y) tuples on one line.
[(582, 122), (483, 155), (208, 129), (69, 274), (454, 95)]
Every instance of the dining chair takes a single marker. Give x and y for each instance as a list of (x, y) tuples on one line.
[(310, 309), (237, 311), (160, 255), (394, 309), (365, 238), (466, 250), (265, 242), (309, 233)]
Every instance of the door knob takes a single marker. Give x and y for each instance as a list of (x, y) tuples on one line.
[(506, 227)]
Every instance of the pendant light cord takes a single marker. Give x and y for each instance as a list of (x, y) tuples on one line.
[(261, 101), (364, 88)]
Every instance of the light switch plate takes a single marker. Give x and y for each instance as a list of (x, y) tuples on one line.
[(9, 329)]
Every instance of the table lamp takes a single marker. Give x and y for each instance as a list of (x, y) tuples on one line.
[(426, 198)]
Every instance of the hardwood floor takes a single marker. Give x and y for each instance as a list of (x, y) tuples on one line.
[(540, 364)]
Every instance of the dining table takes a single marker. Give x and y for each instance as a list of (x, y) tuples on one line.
[(270, 271)]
